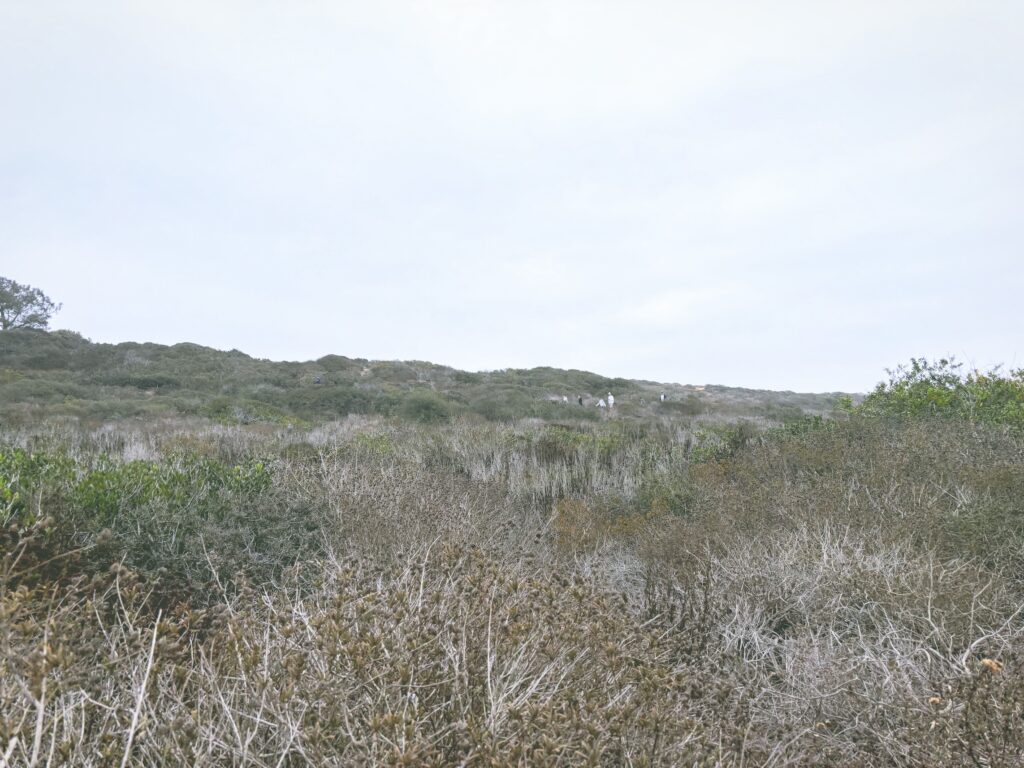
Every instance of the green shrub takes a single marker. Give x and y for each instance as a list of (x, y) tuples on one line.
[(425, 407), (691, 406), (337, 363), (941, 389)]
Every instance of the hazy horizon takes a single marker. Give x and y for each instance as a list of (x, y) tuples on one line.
[(793, 197)]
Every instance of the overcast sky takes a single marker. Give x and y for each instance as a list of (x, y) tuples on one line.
[(793, 195)]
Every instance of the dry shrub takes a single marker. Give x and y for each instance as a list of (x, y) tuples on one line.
[(456, 658), (583, 525), (848, 594), (975, 719)]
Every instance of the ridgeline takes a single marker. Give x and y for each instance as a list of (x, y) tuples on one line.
[(62, 374)]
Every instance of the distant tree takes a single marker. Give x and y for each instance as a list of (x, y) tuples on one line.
[(22, 306)]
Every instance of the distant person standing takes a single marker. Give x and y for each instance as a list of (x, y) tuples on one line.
[(663, 397), (611, 400), (565, 399), (580, 399)]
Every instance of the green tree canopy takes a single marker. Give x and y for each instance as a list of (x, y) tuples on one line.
[(22, 306)]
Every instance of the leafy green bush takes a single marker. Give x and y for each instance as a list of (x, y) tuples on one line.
[(425, 407), (942, 389), (336, 363), (158, 513), (722, 441)]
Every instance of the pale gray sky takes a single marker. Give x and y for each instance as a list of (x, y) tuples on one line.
[(792, 195)]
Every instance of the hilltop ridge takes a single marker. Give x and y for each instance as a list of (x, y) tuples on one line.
[(61, 373)]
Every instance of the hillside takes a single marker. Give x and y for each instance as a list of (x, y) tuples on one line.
[(60, 373), (374, 591)]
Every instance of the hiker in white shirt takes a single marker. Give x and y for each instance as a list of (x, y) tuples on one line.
[(611, 400)]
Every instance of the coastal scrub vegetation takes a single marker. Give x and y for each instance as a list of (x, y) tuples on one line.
[(60, 374), (433, 586)]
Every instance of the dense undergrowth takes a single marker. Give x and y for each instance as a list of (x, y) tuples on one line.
[(843, 592)]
